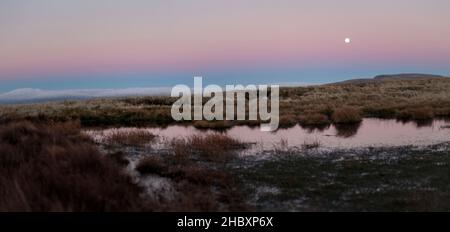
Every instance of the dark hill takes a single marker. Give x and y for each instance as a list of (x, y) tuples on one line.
[(387, 77)]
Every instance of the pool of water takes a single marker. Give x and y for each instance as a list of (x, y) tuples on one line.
[(370, 132)]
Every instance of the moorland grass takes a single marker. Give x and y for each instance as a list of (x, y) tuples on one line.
[(130, 137), (195, 167), (55, 168), (415, 99), (210, 146), (346, 115)]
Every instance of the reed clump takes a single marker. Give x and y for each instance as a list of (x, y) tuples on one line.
[(346, 115), (134, 137)]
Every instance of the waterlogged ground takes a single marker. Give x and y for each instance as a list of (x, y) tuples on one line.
[(370, 132), (405, 178), (378, 165)]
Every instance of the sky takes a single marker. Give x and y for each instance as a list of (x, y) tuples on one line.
[(86, 44)]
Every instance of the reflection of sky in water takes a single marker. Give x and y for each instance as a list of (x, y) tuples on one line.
[(371, 132)]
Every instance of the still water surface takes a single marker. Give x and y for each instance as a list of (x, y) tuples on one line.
[(370, 132)]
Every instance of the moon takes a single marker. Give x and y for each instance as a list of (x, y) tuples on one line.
[(347, 40)]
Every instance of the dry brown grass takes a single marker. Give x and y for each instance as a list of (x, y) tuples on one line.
[(130, 137), (55, 168), (210, 147), (422, 113), (195, 166), (313, 105), (382, 99), (314, 119), (346, 114), (288, 121)]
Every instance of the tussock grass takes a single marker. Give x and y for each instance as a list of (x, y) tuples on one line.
[(201, 186), (287, 121), (311, 119), (130, 137), (55, 168), (422, 113), (411, 99), (346, 115), (211, 147), (313, 105)]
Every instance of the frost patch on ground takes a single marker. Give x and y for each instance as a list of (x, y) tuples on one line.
[(157, 187)]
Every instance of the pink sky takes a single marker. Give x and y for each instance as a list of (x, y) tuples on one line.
[(44, 37)]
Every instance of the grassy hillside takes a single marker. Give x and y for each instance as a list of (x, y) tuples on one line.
[(412, 99)]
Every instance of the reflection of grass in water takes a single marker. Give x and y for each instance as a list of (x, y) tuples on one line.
[(311, 144), (381, 179), (347, 130)]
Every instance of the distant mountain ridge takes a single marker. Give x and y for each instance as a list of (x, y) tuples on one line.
[(407, 76), (385, 77), (30, 95)]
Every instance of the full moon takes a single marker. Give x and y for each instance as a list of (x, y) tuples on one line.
[(347, 40)]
